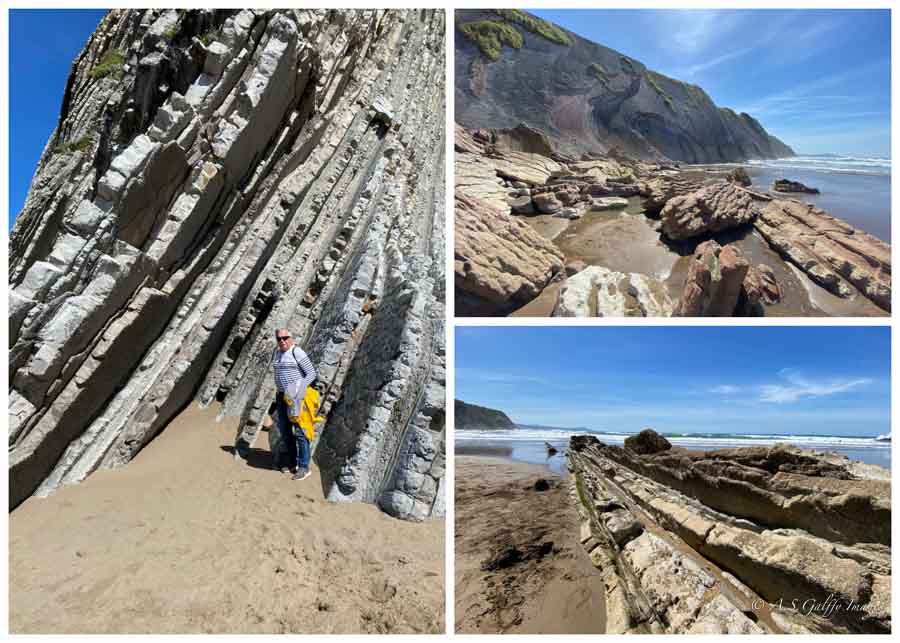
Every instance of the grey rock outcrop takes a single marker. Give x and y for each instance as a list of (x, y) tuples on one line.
[(195, 197), (724, 540), (585, 97)]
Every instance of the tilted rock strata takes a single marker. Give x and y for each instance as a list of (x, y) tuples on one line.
[(834, 254), (289, 173), (703, 506), (585, 97), (500, 262)]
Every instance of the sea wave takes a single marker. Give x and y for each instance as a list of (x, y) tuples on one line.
[(695, 440), (829, 163)]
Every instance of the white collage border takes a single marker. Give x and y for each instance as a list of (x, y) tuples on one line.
[(451, 322)]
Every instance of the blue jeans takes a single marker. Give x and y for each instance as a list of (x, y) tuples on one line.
[(297, 446)]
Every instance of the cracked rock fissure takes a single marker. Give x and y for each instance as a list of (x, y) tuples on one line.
[(238, 171)]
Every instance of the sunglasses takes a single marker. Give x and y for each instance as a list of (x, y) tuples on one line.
[(283, 339)]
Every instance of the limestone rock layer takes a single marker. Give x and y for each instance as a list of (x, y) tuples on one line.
[(214, 175), (736, 540)]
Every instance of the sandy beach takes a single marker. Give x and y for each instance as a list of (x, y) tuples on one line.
[(185, 539), (519, 565)]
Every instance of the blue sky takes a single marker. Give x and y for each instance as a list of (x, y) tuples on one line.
[(42, 46), (730, 379), (817, 79)]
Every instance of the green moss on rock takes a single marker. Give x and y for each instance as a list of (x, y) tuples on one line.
[(536, 25), (652, 79), (111, 63), (491, 35), (78, 145), (599, 71)]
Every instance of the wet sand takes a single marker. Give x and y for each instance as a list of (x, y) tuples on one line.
[(552, 588), (185, 539)]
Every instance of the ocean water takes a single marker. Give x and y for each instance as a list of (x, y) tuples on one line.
[(526, 444), (855, 189)]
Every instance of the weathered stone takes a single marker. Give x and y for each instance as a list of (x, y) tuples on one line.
[(714, 281), (647, 441), (214, 213), (547, 203), (598, 291), (785, 185), (521, 205), (710, 209), (739, 175), (501, 262), (609, 203), (835, 255)]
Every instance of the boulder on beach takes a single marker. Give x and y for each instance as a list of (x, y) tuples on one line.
[(786, 185), (739, 175), (647, 442), (714, 281), (710, 209)]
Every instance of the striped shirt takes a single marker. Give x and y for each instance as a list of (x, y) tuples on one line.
[(293, 366)]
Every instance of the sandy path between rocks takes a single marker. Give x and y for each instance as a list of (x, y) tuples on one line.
[(186, 539), (555, 589)]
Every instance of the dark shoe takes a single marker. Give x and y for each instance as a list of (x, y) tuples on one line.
[(302, 474)]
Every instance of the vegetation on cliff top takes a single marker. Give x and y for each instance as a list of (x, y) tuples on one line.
[(536, 25), (111, 63), (491, 35)]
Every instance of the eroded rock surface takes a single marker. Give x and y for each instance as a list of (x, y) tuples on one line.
[(725, 540), (500, 262), (194, 197), (834, 254), (599, 292), (712, 208), (714, 281)]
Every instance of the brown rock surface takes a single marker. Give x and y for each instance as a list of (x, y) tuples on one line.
[(714, 281), (712, 208), (646, 442), (501, 262), (728, 534), (834, 254)]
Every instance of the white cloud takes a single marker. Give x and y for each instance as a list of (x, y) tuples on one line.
[(724, 389), (798, 387)]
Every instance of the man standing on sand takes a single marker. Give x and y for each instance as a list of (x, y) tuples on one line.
[(294, 372)]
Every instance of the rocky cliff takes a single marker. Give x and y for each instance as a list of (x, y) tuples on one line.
[(512, 67), (215, 175), (753, 540), (472, 416)]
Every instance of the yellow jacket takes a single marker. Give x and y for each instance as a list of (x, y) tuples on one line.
[(306, 419)]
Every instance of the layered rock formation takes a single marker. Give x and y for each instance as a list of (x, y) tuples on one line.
[(472, 416), (500, 262), (753, 540), (586, 97), (505, 260), (215, 175), (835, 255)]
